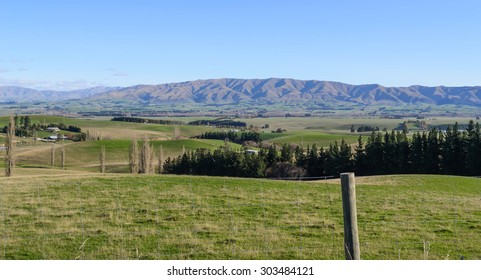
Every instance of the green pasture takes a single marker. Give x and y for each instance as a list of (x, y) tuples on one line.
[(326, 125), (304, 138), (106, 129), (87, 216), (85, 155), (340, 125)]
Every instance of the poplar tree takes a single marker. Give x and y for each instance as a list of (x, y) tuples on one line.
[(62, 156), (160, 168), (10, 148), (102, 159), (145, 154), (134, 157), (52, 156)]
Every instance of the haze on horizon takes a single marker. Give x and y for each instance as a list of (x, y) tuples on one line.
[(66, 45)]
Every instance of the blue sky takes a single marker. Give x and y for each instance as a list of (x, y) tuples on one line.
[(76, 44)]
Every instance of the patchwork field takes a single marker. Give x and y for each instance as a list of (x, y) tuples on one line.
[(117, 136), (77, 213)]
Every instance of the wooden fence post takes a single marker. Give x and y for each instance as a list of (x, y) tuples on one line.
[(351, 238)]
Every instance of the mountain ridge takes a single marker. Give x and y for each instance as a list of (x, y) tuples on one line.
[(230, 90)]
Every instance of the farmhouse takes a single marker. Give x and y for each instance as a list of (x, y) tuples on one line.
[(53, 129)]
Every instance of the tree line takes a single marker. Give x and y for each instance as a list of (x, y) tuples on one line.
[(453, 152), (232, 136), (142, 120), (25, 128), (228, 123)]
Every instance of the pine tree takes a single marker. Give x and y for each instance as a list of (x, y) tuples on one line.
[(473, 148), (286, 153), (345, 158), (252, 166), (360, 163), (454, 153), (27, 122), (300, 157), (272, 157), (433, 152), (390, 151), (313, 168), (403, 153), (322, 162), (332, 160), (375, 154), (417, 155)]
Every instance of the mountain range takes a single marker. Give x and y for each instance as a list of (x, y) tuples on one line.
[(232, 91)]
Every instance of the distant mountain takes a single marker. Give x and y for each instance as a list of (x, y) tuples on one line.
[(223, 91), (20, 94)]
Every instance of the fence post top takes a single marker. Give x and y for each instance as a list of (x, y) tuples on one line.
[(347, 174)]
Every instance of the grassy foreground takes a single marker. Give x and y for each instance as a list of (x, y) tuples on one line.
[(85, 216)]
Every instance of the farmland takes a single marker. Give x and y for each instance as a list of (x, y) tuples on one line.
[(74, 212), (116, 137), (85, 216)]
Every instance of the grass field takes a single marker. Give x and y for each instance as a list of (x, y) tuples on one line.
[(326, 125), (106, 129), (74, 213), (85, 155), (304, 138), (80, 215)]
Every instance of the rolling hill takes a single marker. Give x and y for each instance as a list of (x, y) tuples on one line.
[(273, 90)]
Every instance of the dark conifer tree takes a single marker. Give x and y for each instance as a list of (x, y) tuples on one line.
[(416, 154), (272, 156), (286, 153), (360, 162), (403, 153), (375, 155), (433, 152), (313, 168), (345, 158)]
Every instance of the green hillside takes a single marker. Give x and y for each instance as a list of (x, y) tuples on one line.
[(85, 155), (304, 138)]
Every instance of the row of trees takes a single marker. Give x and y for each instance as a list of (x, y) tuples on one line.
[(288, 162), (453, 151), (228, 123), (142, 120), (26, 128), (143, 160), (435, 152), (364, 128), (232, 136)]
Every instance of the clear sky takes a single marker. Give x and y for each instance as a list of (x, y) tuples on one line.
[(70, 44)]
